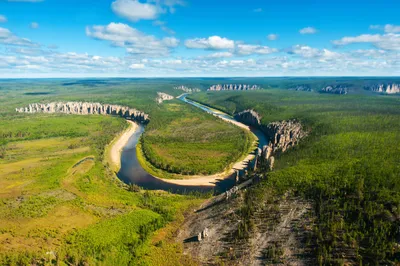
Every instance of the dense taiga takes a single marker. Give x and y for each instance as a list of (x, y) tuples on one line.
[(199, 132), (290, 173)]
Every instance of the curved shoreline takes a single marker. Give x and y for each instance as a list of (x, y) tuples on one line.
[(211, 180), (119, 143), (189, 181)]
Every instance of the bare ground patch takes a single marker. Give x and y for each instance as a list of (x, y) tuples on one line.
[(279, 234)]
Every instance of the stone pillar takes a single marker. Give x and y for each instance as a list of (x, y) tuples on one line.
[(271, 163), (255, 163)]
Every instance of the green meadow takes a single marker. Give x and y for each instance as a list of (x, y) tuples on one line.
[(61, 204)]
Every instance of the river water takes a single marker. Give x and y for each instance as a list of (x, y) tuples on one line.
[(131, 171)]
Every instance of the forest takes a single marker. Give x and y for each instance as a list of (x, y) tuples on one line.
[(349, 166), (59, 199)]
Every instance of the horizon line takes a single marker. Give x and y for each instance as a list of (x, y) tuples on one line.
[(183, 77)]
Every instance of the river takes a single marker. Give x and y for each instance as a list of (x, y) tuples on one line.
[(131, 172)]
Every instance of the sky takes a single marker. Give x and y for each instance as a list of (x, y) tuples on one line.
[(199, 38)]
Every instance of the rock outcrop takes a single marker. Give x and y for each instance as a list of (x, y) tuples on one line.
[(85, 108), (233, 87), (249, 117), (161, 96), (281, 135), (187, 89), (301, 88), (384, 88), (271, 163), (336, 89), (284, 134)]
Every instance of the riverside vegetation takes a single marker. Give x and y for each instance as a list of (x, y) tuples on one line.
[(59, 201), (348, 166)]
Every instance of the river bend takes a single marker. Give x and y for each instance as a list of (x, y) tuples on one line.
[(131, 172)]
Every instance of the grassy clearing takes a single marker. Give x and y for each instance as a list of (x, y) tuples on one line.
[(349, 166), (190, 142)]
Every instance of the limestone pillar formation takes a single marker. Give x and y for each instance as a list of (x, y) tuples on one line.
[(271, 163), (85, 108)]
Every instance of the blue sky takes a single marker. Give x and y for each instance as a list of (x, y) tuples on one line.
[(146, 38)]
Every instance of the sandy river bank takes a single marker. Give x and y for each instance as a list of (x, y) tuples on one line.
[(194, 180), (120, 142)]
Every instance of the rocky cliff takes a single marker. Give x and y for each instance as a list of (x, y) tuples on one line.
[(85, 108), (187, 89), (284, 134), (233, 87), (281, 135), (161, 96), (336, 89), (384, 88), (249, 117)]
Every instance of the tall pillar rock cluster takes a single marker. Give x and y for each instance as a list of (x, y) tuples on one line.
[(86, 108), (282, 135)]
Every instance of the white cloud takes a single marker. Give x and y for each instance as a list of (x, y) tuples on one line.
[(248, 49), (3, 19), (34, 25), (41, 61), (135, 41), (26, 50), (170, 42), (388, 41), (137, 66), (219, 55), (257, 10), (364, 38), (308, 30), (169, 4), (314, 53), (391, 28), (373, 53), (304, 51), (272, 37), (134, 10), (388, 28), (74, 64), (7, 37), (213, 42)]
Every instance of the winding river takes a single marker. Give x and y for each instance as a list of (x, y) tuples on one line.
[(132, 172)]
